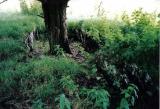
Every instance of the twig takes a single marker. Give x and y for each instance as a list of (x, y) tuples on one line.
[(40, 16), (3, 1)]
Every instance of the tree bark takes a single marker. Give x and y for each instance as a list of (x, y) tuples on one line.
[(55, 21)]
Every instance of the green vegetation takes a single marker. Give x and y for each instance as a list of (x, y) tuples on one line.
[(17, 26), (122, 73)]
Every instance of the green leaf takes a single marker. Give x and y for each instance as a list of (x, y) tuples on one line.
[(124, 104), (132, 101), (68, 104), (64, 102), (127, 95)]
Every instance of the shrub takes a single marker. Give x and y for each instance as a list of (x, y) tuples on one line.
[(52, 73), (133, 54), (38, 79), (95, 28)]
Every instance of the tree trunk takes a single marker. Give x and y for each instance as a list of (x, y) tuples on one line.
[(55, 21)]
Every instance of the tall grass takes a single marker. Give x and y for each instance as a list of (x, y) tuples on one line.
[(17, 26)]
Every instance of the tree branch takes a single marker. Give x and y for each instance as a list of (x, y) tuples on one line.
[(3, 1), (41, 16)]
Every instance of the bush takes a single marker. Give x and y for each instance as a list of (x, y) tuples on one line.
[(37, 80), (133, 53), (97, 29), (52, 76)]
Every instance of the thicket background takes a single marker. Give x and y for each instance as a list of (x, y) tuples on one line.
[(120, 70)]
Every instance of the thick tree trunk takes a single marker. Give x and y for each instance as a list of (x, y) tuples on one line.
[(55, 21)]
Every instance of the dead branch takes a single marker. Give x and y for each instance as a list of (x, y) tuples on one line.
[(41, 16), (3, 1)]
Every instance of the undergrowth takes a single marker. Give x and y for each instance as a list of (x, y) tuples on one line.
[(121, 74)]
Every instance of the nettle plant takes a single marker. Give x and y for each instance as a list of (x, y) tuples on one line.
[(129, 96), (64, 102), (58, 51), (68, 84), (95, 98)]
